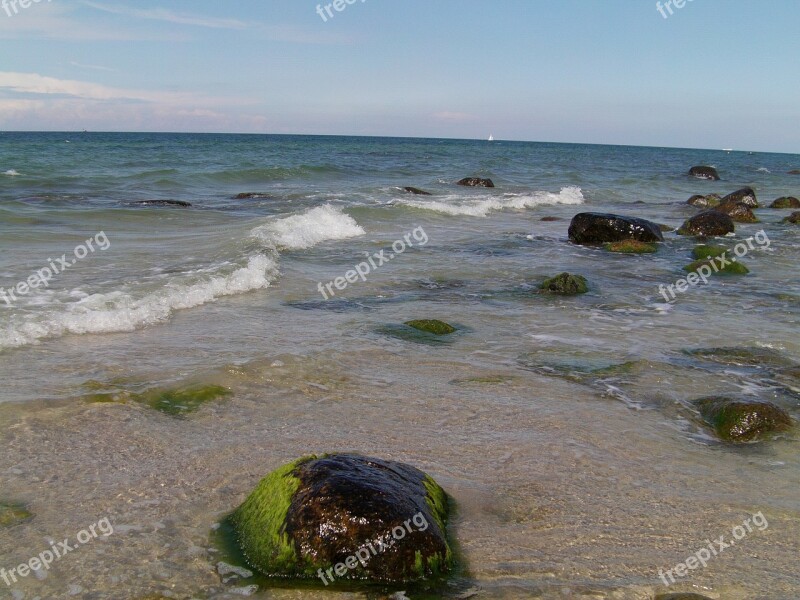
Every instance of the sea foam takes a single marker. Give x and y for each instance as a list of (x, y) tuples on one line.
[(299, 232), (481, 207)]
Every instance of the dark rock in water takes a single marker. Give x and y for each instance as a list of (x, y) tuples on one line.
[(600, 228), (13, 514), (432, 326), (631, 247), (704, 173), (416, 191), (565, 284), (746, 195), (682, 596), (742, 420), (665, 228), (743, 357), (476, 182), (786, 202), (738, 211), (550, 219), (794, 172), (709, 222), (709, 201), (733, 268), (347, 517), (251, 196), (792, 218), (176, 203)]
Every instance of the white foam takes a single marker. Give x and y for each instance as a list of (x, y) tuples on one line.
[(457, 205), (306, 230), (122, 312), (12, 173)]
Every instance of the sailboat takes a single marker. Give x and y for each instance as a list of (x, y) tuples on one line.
[(491, 138)]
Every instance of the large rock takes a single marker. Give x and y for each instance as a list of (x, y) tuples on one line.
[(346, 516), (709, 201), (600, 228), (709, 222), (742, 420), (746, 195), (476, 182), (738, 211), (704, 173), (786, 202)]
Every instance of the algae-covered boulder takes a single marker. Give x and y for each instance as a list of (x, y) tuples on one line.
[(786, 202), (737, 420), (746, 195), (709, 201), (602, 228), (631, 247), (793, 218), (476, 182), (708, 251), (13, 514), (738, 211), (719, 267), (703, 172), (346, 517), (433, 326), (565, 284), (709, 223)]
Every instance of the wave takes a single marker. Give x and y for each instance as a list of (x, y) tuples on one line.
[(299, 232), (457, 205), (12, 173), (121, 312), (265, 174)]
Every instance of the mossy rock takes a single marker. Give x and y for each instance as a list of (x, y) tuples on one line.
[(708, 223), (793, 218), (433, 326), (734, 268), (742, 420), (786, 202), (708, 251), (631, 247), (743, 357), (347, 517), (565, 284), (13, 514)]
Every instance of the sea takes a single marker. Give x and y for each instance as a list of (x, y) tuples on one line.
[(181, 314)]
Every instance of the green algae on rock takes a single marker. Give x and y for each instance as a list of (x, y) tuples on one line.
[(708, 251), (346, 517), (793, 218), (631, 247), (181, 401), (565, 284), (733, 268), (786, 202), (433, 326), (13, 514), (742, 420)]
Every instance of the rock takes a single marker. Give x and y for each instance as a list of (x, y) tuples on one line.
[(432, 326), (565, 284), (794, 172), (665, 228), (709, 222), (251, 196), (733, 268), (476, 182), (707, 251), (739, 212), (416, 191), (347, 517), (550, 219), (13, 514), (704, 173), (175, 203), (746, 195), (742, 420), (631, 247), (792, 218), (786, 202), (181, 401), (709, 201), (600, 228), (682, 596)]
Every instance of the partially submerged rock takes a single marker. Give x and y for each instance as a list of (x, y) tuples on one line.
[(168, 203), (708, 251), (737, 420), (251, 196), (433, 326), (476, 182), (345, 516), (565, 284), (746, 195), (180, 401), (703, 172), (416, 191), (717, 267), (708, 223), (601, 228), (738, 211), (13, 514), (786, 202), (793, 218), (709, 201), (631, 247)]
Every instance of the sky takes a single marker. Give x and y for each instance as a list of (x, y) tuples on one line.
[(713, 74)]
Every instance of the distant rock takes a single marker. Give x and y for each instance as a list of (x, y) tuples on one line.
[(786, 202), (565, 284), (476, 182), (251, 196), (709, 223), (737, 420), (738, 211), (704, 173), (174, 203), (433, 326), (550, 219), (416, 191), (794, 172), (601, 228), (709, 201), (793, 218), (746, 195)]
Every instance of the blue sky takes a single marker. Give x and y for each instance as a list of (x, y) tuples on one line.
[(714, 74)]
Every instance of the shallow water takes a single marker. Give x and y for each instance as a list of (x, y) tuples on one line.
[(562, 427)]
